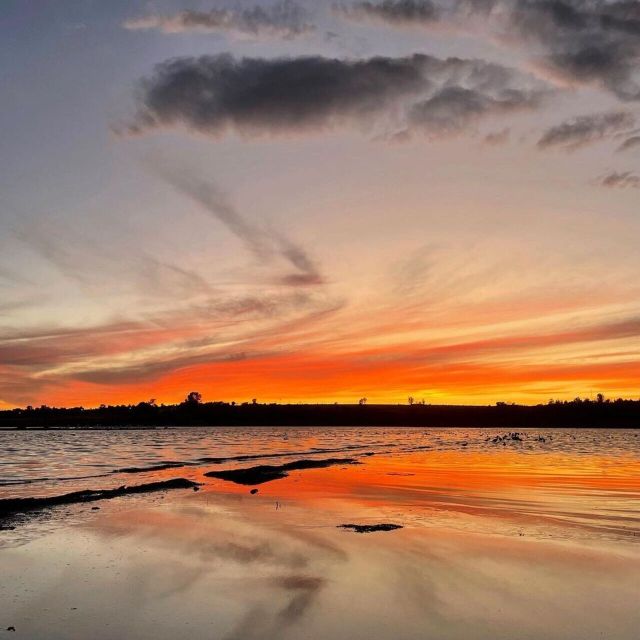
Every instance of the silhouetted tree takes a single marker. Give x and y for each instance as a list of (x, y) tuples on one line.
[(194, 397)]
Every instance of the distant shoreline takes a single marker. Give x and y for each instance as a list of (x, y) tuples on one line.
[(584, 413)]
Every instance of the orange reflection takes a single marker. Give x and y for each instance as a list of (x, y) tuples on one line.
[(593, 492)]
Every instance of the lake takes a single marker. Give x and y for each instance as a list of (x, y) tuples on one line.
[(503, 535)]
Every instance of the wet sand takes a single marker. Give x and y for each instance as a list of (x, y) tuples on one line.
[(491, 546)]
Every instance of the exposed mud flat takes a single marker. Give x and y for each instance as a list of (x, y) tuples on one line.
[(267, 473), (370, 528), (15, 506)]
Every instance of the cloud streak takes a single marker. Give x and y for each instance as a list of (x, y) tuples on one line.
[(397, 12), (262, 244), (631, 142), (471, 367), (454, 109), (69, 252), (284, 20), (123, 352), (583, 130), (620, 180)]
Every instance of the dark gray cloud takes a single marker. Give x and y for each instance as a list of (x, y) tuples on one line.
[(596, 41), (401, 12), (583, 130), (584, 41), (284, 19), (620, 180), (215, 94)]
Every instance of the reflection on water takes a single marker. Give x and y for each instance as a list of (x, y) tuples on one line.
[(47, 458), (231, 566), (529, 537), (576, 483)]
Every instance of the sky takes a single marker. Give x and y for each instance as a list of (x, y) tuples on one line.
[(319, 201)]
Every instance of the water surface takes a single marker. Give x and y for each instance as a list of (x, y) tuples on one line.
[(527, 536)]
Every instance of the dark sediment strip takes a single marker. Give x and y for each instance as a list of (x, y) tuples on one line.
[(46, 479), (284, 454), (240, 458), (171, 464), (13, 506), (267, 473), (176, 464), (370, 528)]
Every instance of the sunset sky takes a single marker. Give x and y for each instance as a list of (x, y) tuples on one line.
[(319, 201)]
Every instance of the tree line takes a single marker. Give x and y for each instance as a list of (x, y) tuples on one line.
[(193, 410)]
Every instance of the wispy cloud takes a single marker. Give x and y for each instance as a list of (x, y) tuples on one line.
[(263, 244), (219, 330), (632, 142), (284, 19), (620, 180), (454, 109), (583, 130), (497, 137), (396, 12), (473, 367), (282, 342), (69, 251)]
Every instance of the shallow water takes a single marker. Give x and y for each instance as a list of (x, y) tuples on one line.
[(528, 537), (585, 480), (49, 457), (233, 566)]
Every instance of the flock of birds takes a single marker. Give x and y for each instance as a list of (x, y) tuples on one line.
[(515, 436), (512, 436)]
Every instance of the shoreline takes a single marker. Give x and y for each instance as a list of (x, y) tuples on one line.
[(576, 414)]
